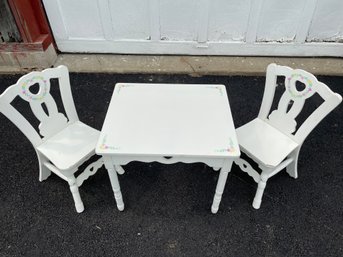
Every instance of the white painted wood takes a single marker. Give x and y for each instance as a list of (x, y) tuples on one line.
[(64, 143), (81, 19), (219, 27), (119, 169), (169, 123), (58, 24), (203, 18), (264, 176), (269, 91), (70, 146), (261, 185), (228, 20), (38, 110), (56, 171), (285, 122), (279, 20), (44, 171), (123, 160), (273, 140), (265, 142), (89, 171), (66, 94), (130, 19), (176, 120), (106, 19), (292, 168), (154, 20), (114, 182), (213, 48), (306, 18), (327, 22), (182, 27), (246, 167), (221, 186), (255, 12), (74, 189)]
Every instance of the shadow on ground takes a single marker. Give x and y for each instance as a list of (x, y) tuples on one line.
[(168, 206)]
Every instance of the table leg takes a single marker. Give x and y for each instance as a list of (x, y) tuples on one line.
[(114, 182), (221, 185)]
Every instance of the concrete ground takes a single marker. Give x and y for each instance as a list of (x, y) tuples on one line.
[(191, 65), (194, 65), (168, 206)]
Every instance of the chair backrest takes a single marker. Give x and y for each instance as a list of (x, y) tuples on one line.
[(284, 119), (51, 122)]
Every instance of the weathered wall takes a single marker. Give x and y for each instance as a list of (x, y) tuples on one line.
[(199, 27), (8, 28)]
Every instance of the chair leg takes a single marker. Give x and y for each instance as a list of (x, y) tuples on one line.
[(74, 189), (119, 169), (259, 192), (292, 168), (44, 172)]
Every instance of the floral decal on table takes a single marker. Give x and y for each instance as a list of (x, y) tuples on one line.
[(303, 79), (121, 86), (220, 89), (25, 91), (229, 149), (105, 146)]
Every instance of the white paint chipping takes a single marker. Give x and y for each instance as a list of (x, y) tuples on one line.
[(199, 27), (178, 20), (279, 20), (327, 23), (228, 20)]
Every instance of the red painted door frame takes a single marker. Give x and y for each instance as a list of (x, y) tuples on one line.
[(32, 24)]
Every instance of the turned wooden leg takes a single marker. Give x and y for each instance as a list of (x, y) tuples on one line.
[(44, 172), (74, 189), (292, 168), (220, 186), (119, 169), (112, 173), (259, 192)]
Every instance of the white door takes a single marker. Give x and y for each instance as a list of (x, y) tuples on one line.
[(199, 27)]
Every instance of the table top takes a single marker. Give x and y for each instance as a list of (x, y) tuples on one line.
[(169, 120)]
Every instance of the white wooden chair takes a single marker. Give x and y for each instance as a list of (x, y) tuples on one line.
[(274, 141), (63, 143)]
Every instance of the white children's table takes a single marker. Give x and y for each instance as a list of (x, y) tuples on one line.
[(168, 123)]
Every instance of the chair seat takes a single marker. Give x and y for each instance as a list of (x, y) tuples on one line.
[(71, 146), (262, 141)]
